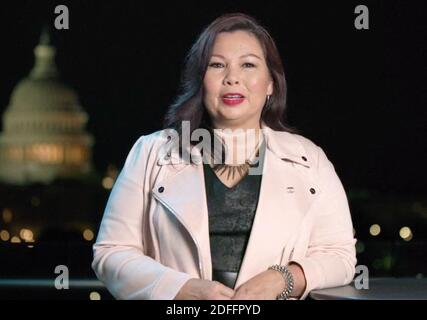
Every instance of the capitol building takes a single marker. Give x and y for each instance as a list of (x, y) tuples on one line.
[(43, 135)]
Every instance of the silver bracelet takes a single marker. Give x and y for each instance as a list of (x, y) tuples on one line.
[(289, 279)]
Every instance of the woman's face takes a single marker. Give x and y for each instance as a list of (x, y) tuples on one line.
[(238, 67)]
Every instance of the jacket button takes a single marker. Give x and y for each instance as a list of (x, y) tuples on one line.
[(312, 190), (161, 189), (304, 158)]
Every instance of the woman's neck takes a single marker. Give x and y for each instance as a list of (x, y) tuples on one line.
[(240, 144)]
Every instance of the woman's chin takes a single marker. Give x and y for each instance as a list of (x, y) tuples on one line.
[(230, 117), (234, 112)]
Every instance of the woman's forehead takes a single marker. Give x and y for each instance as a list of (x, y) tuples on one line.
[(237, 44)]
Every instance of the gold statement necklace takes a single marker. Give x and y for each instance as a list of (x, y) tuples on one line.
[(240, 169), (232, 170)]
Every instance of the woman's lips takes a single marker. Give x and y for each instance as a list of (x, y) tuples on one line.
[(233, 101)]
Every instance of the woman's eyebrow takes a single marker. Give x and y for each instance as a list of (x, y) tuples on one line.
[(242, 56), (250, 55)]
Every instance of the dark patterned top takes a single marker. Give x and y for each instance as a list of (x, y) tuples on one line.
[(231, 214)]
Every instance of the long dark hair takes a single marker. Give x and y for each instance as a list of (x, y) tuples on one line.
[(188, 105)]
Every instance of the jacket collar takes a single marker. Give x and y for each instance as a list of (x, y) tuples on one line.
[(285, 146)]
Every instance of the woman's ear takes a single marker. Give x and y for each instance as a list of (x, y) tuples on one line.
[(270, 88)]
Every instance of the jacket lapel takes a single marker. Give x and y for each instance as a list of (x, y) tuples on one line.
[(281, 207), (184, 195)]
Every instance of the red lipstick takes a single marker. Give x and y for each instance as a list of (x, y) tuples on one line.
[(232, 99)]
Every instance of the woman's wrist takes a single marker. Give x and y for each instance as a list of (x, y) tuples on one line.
[(299, 278), (288, 278)]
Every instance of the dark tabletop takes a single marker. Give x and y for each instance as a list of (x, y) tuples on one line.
[(379, 289)]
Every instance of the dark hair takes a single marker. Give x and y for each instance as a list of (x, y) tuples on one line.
[(188, 105)]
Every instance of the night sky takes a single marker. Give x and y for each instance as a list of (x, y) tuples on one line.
[(360, 95)]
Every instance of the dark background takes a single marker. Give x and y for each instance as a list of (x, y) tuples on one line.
[(359, 94)]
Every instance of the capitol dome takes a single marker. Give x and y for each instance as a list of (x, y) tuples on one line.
[(44, 135)]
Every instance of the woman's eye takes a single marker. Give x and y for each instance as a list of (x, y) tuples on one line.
[(220, 65), (215, 65), (248, 65)]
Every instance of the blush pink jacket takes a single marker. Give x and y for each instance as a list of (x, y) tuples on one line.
[(154, 233)]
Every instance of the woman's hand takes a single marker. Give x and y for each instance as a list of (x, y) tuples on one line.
[(266, 285), (197, 289), (269, 284)]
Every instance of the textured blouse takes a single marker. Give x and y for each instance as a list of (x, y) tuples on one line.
[(231, 214)]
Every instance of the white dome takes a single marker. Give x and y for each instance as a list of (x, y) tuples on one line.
[(43, 94), (44, 127)]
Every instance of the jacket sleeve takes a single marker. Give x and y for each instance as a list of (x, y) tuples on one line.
[(331, 256), (119, 259)]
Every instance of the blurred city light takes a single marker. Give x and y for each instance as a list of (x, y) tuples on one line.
[(406, 233), (375, 230), (94, 296), (88, 235), (4, 235)]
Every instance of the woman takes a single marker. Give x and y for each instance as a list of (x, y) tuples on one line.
[(273, 224)]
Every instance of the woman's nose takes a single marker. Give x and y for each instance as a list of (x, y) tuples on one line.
[(231, 82), (231, 79)]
